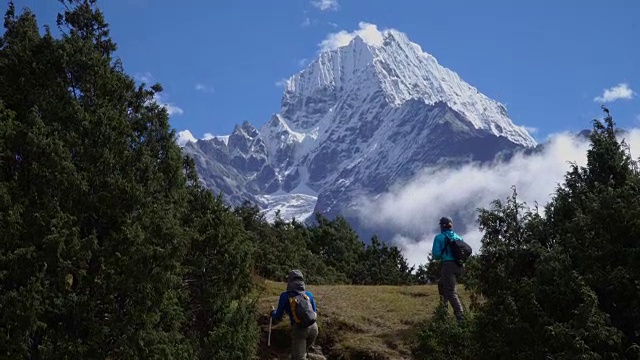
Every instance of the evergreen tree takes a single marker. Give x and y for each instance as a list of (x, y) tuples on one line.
[(337, 244), (95, 211), (421, 276), (442, 338), (432, 269), (278, 250), (595, 221), (563, 285), (536, 306), (91, 242), (317, 271), (219, 277), (381, 264), (328, 253), (285, 245)]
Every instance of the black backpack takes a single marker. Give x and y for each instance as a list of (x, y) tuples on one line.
[(302, 309), (459, 249)]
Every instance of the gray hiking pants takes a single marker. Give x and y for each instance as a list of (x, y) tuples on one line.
[(301, 340), (449, 274)]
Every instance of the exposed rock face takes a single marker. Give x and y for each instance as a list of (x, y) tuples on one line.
[(355, 121)]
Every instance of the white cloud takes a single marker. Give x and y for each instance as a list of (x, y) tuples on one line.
[(145, 77), (303, 62), (368, 32), (413, 209), (183, 137), (332, 24), (531, 129), (204, 88), (325, 4), (620, 91), (306, 22), (171, 108), (208, 136), (282, 82), (159, 98)]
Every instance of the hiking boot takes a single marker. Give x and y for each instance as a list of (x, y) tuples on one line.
[(461, 319), (314, 349), (311, 356)]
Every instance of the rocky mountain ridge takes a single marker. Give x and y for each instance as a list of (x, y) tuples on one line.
[(354, 122)]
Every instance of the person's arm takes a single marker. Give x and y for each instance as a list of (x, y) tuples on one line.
[(279, 312), (436, 249), (313, 301)]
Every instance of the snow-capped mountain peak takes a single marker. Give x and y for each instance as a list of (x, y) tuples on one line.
[(388, 61), (183, 137), (371, 110)]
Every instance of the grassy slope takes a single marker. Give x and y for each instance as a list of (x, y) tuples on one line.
[(356, 322)]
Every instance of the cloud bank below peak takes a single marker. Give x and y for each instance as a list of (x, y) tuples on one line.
[(412, 209)]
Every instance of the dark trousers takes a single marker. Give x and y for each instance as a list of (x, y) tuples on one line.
[(449, 274)]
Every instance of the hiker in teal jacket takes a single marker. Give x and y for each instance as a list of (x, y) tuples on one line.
[(439, 240), (302, 338), (449, 271)]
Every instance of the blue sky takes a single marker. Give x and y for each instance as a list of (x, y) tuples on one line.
[(219, 61)]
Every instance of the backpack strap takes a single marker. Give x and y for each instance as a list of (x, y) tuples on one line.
[(447, 241), (293, 303)]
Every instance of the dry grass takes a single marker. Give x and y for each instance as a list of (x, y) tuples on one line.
[(357, 322)]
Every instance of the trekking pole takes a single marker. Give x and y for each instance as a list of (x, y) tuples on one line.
[(270, 319)]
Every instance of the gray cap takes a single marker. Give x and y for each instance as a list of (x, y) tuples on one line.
[(445, 220)]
